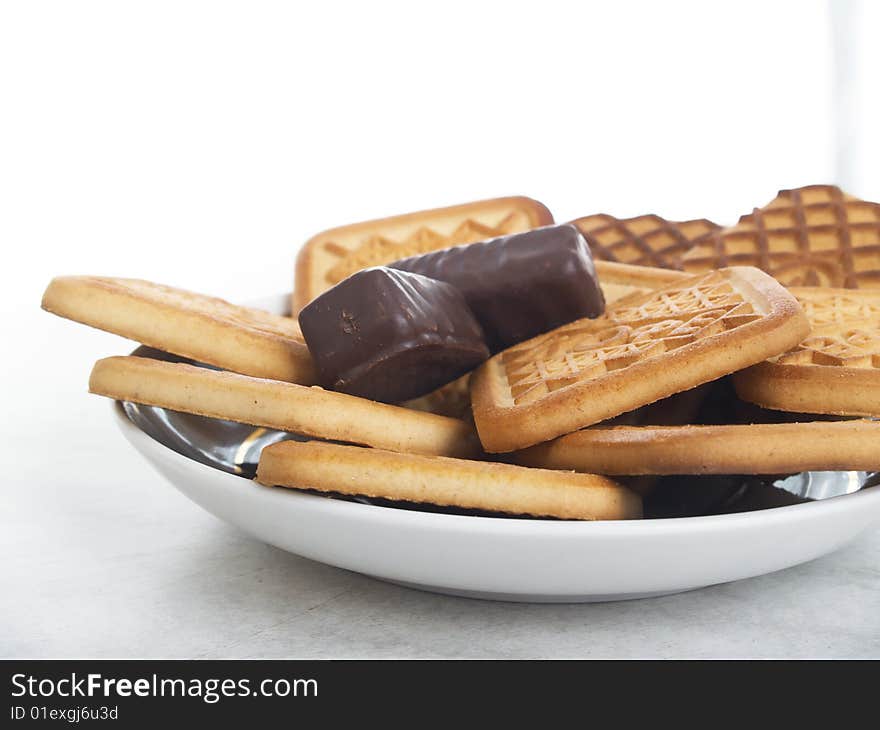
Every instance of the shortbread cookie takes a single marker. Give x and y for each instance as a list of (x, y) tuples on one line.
[(194, 326), (641, 350), (760, 448), (453, 399), (446, 482), (812, 236), (331, 256), (647, 240), (836, 370), (621, 280), (310, 411)]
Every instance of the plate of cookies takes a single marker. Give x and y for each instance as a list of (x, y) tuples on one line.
[(480, 401)]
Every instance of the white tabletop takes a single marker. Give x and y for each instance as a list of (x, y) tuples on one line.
[(102, 558)]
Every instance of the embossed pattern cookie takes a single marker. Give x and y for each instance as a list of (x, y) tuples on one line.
[(811, 236), (836, 370), (647, 240), (453, 399), (621, 280), (331, 256), (641, 350)]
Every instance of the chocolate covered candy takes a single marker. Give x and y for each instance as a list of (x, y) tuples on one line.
[(521, 285), (391, 335)]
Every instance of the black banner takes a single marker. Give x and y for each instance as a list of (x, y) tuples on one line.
[(142, 692)]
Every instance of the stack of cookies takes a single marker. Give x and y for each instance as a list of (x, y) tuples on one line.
[(481, 357)]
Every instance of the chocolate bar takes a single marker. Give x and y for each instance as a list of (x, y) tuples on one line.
[(521, 285), (391, 335)]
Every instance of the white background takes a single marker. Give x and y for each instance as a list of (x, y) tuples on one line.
[(199, 144)]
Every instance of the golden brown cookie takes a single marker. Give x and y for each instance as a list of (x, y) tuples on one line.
[(310, 411), (445, 482), (836, 370), (643, 349), (195, 326), (647, 240), (331, 256), (453, 399), (812, 236), (621, 280), (760, 448)]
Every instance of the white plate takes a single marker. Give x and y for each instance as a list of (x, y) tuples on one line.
[(518, 559)]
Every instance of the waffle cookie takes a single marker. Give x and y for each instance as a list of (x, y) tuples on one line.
[(331, 256), (760, 448), (284, 406), (195, 326), (445, 482), (643, 349), (836, 370), (621, 280), (811, 236), (647, 240)]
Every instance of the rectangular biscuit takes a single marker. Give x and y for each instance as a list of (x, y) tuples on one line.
[(643, 349), (445, 482), (329, 257), (310, 411)]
